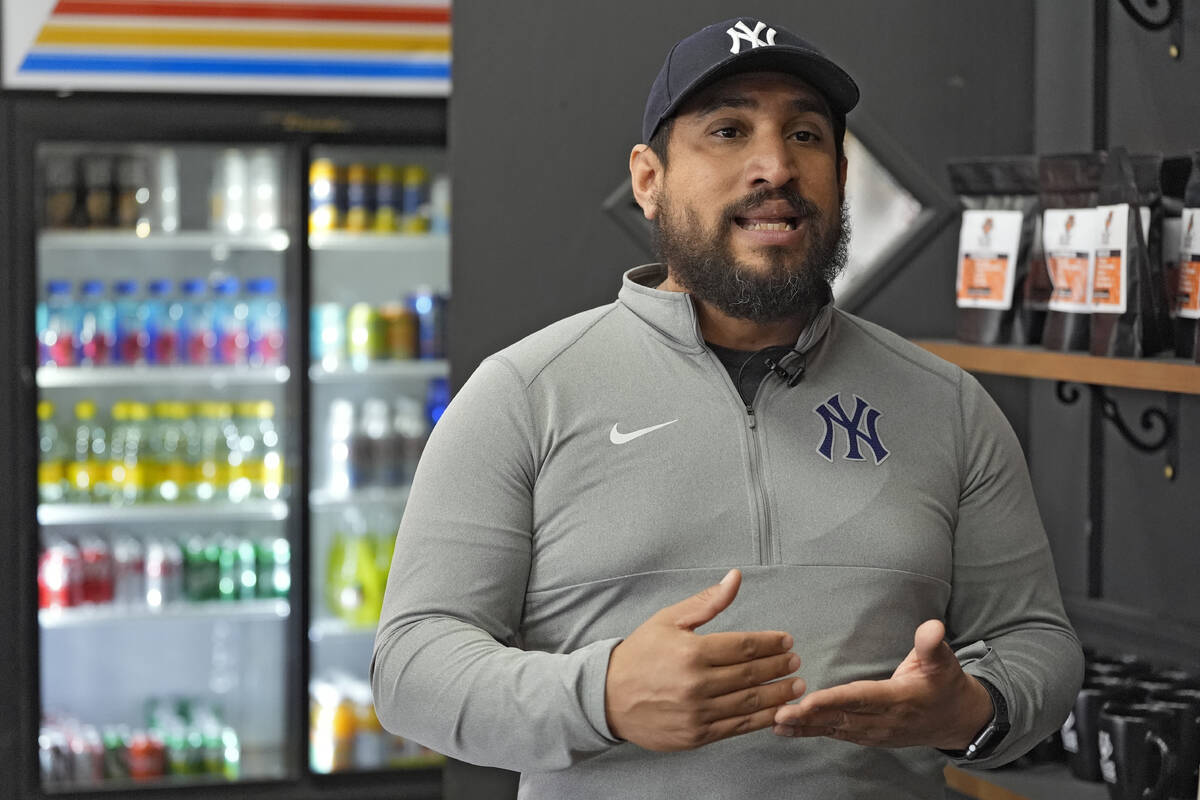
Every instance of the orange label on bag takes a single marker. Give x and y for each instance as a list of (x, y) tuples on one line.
[(1069, 274), (1106, 286), (1069, 241), (983, 278), (1187, 292)]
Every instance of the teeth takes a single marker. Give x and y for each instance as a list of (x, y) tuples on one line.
[(769, 226)]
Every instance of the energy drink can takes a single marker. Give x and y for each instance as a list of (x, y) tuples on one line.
[(328, 344), (399, 331), (416, 213), (359, 198), (364, 337), (388, 199), (430, 310), (323, 190)]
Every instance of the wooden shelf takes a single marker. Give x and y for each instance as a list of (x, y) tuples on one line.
[(1154, 374)]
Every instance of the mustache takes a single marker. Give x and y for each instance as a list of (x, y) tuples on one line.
[(802, 206)]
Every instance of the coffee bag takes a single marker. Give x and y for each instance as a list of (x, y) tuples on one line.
[(1069, 187)]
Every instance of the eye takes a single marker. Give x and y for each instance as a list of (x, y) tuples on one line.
[(726, 132), (806, 136)]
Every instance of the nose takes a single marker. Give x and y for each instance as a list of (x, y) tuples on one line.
[(769, 163)]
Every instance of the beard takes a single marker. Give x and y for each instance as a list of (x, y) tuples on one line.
[(792, 284)]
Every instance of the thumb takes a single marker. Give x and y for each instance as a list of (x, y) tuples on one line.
[(703, 606), (930, 646)]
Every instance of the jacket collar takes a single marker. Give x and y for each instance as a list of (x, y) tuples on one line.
[(673, 316)]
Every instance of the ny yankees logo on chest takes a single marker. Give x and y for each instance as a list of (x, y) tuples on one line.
[(860, 427)]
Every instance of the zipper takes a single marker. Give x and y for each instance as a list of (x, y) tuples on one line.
[(763, 534)]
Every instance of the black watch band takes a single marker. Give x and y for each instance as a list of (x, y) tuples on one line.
[(986, 740)]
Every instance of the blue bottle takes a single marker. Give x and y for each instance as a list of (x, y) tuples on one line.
[(57, 331), (97, 326), (162, 331), (197, 339), (437, 397), (229, 313), (265, 323), (132, 337)]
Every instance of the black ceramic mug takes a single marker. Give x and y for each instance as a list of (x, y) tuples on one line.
[(1136, 758), (1079, 732), (1185, 703)]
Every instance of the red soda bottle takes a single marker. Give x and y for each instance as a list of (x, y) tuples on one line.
[(97, 560), (60, 575)]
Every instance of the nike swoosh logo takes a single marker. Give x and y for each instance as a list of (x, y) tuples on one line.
[(616, 437)]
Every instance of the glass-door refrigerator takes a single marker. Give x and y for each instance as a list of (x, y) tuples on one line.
[(231, 327)]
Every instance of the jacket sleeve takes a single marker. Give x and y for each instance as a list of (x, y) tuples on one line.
[(447, 669), (1006, 619)]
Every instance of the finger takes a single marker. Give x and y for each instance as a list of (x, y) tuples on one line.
[(723, 680), (738, 647), (736, 726), (929, 644), (859, 697), (701, 607), (767, 697)]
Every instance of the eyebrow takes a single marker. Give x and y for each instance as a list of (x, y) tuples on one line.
[(802, 105)]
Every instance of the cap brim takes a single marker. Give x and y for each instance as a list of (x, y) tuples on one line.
[(838, 88)]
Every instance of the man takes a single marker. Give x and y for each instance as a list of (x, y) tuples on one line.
[(577, 512)]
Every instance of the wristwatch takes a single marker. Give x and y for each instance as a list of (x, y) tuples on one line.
[(987, 739)]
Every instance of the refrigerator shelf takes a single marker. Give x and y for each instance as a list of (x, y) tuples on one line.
[(270, 241), (324, 499), (215, 376), (431, 245), (89, 514), (87, 616), (416, 369), (333, 628)]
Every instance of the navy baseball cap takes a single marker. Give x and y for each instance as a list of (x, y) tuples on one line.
[(742, 44)]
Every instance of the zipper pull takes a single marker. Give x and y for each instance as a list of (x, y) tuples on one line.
[(750, 414)]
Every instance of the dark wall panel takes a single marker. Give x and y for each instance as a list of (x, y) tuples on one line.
[(548, 101)]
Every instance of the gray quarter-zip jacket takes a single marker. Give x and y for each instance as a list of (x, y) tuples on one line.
[(605, 467)]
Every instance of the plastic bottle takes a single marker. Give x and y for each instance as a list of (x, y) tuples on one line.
[(53, 452), (274, 563), (412, 430), (211, 473), (58, 331), (132, 337), (339, 478), (162, 329), (371, 445), (331, 728), (263, 459), (229, 313), (169, 473), (86, 473), (197, 337), (135, 444), (97, 326), (265, 323), (115, 467)]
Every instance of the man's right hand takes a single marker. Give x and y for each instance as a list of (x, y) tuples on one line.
[(669, 688)]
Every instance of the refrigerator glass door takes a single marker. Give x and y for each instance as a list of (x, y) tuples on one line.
[(164, 570), (378, 232)]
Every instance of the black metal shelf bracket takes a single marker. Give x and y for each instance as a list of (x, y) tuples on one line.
[(1104, 408)]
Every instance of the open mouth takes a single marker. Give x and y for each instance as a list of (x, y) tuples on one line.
[(767, 224)]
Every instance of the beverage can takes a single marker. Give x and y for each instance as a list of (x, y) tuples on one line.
[(129, 571), (359, 198), (323, 190), (328, 342), (231, 178), (98, 205), (400, 331), (132, 200), (264, 190), (331, 729), (146, 757), (412, 430), (60, 174), (273, 559), (164, 572), (238, 571), (439, 201), (363, 334), (60, 575), (168, 190), (388, 199), (202, 568), (115, 739), (98, 569), (430, 310), (437, 397), (416, 214)]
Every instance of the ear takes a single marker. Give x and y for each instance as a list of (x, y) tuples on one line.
[(646, 173), (842, 163)]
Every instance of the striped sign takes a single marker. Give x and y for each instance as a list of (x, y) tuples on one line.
[(383, 47)]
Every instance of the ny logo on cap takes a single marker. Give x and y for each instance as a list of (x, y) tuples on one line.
[(741, 33)]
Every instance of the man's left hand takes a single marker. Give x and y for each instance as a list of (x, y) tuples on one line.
[(929, 700)]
